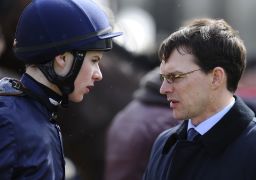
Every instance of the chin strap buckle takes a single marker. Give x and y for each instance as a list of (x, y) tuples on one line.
[(16, 84)]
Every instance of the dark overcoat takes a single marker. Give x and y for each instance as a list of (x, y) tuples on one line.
[(226, 152)]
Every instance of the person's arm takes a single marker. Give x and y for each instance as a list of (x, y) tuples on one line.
[(7, 148)]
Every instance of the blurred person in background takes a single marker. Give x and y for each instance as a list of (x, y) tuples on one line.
[(134, 129), (201, 65), (247, 85), (9, 15), (61, 43), (2, 42)]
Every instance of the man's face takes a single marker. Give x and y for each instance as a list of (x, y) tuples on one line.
[(189, 95)]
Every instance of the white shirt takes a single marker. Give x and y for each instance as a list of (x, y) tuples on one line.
[(206, 125)]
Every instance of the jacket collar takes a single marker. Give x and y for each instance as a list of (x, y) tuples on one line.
[(45, 96), (221, 134)]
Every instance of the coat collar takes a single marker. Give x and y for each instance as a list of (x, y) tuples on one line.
[(220, 135), (41, 93)]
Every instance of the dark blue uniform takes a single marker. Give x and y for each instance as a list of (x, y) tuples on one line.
[(30, 139)]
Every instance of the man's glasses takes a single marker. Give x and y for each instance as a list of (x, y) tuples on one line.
[(170, 78)]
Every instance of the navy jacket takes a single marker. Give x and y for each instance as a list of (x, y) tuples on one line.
[(30, 140), (225, 152)]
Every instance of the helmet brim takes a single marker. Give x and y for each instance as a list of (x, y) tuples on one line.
[(99, 45), (110, 35)]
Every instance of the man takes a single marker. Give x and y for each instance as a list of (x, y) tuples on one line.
[(201, 65), (61, 42)]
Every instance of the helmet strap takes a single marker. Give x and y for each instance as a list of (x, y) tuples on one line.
[(64, 83)]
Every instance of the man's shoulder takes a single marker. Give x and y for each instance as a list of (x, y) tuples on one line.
[(246, 142), (167, 133), (247, 139), (251, 129), (159, 158), (165, 136)]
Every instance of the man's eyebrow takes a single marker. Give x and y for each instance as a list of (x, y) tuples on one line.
[(174, 72)]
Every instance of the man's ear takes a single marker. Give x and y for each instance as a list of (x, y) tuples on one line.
[(218, 77)]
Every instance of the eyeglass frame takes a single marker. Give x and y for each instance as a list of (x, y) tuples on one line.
[(171, 77)]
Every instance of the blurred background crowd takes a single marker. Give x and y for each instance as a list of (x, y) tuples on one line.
[(145, 24)]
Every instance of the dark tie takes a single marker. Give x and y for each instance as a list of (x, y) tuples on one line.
[(192, 133)]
